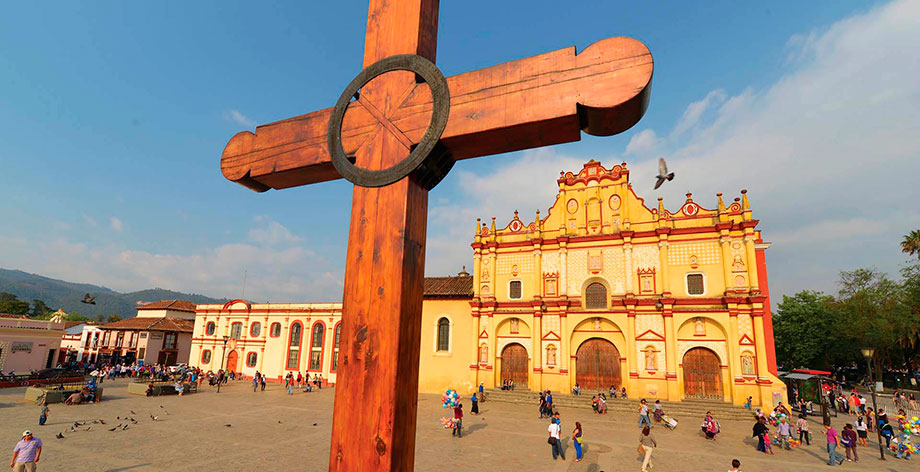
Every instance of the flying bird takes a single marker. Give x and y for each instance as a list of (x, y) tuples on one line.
[(663, 173), (89, 299)]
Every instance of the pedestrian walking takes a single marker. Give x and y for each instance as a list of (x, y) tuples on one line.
[(255, 381), (43, 416), (262, 383), (832, 440), (577, 440), (643, 413), (554, 440), (26, 453), (802, 426), (785, 432), (646, 445), (760, 429), (848, 439), (458, 418), (475, 408), (658, 413), (862, 431)]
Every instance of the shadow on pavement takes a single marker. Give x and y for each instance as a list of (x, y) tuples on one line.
[(128, 467)]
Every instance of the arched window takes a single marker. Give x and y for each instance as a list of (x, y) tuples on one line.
[(596, 296), (236, 330), (206, 356), (515, 291), (695, 284), (335, 346), (294, 338), (443, 334), (276, 330), (316, 347), (255, 329), (210, 329), (251, 359)]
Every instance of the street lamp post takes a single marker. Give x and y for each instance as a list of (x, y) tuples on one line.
[(868, 353), (221, 367)]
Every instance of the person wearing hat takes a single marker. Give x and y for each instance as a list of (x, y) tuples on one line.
[(26, 453)]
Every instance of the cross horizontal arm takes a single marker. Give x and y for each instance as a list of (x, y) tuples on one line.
[(531, 102)]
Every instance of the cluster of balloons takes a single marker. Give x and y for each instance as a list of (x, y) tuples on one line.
[(448, 423), (792, 441), (450, 398), (913, 425)]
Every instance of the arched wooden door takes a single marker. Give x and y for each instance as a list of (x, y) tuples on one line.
[(232, 359), (702, 374), (597, 365), (514, 365)]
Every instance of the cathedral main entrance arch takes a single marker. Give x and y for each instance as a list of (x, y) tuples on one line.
[(232, 360), (514, 365), (597, 365), (702, 374)]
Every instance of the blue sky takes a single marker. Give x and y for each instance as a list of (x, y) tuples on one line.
[(113, 117)]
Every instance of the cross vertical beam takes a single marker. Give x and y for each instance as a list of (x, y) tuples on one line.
[(376, 391)]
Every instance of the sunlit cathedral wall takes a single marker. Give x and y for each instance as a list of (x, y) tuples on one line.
[(605, 290)]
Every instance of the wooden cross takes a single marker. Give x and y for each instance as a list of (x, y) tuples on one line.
[(527, 103)]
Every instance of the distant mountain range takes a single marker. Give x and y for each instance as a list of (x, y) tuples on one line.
[(69, 295)]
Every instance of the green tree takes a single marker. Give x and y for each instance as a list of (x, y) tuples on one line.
[(39, 309), (12, 305), (871, 312), (100, 318), (802, 330), (114, 318), (911, 243)]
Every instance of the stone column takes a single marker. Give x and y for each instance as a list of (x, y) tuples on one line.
[(734, 354), (663, 262), (725, 242), (536, 347), (670, 351), (631, 361), (751, 259)]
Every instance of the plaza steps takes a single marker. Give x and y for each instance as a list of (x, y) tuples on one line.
[(687, 410)]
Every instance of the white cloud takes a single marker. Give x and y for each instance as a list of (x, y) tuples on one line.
[(116, 224), (828, 151), (271, 232), (695, 110), (645, 143), (239, 118), (89, 221)]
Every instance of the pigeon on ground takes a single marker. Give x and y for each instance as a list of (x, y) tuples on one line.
[(166, 411), (133, 413), (663, 173), (314, 424), (113, 429), (89, 428), (88, 299), (76, 423), (117, 417), (279, 422), (60, 435), (95, 421), (154, 418), (124, 427), (161, 406), (102, 421), (228, 425)]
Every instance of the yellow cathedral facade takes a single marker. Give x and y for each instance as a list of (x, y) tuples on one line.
[(601, 291)]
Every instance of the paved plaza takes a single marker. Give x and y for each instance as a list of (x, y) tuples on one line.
[(239, 430)]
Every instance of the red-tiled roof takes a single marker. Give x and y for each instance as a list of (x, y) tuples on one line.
[(151, 324), (175, 305), (71, 324), (16, 317), (459, 286)]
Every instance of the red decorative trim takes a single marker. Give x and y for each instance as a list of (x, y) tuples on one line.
[(547, 337), (538, 369), (483, 335), (749, 342), (670, 375), (706, 339), (654, 336), (563, 371)]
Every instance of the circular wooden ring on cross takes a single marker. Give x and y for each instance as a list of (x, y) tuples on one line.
[(432, 160)]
